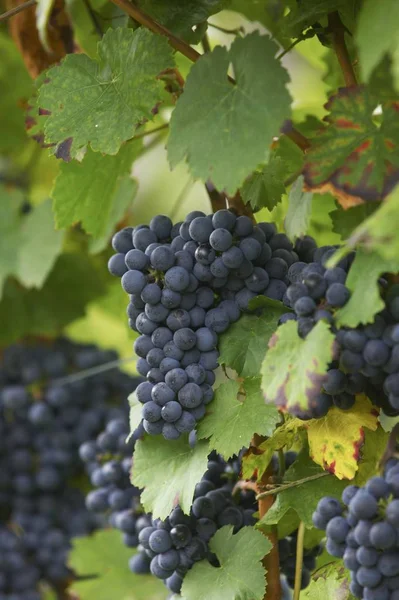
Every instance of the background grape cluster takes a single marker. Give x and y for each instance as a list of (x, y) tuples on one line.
[(42, 424)]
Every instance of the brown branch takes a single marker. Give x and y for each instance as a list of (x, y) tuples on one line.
[(138, 15), (217, 199), (337, 29), (236, 203), (17, 9), (295, 136)]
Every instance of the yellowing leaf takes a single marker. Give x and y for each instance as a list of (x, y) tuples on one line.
[(336, 439)]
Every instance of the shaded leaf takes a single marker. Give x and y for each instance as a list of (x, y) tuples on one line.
[(80, 196), (235, 415), (101, 102), (169, 472), (331, 581), (265, 188), (373, 448), (187, 18), (365, 301), (104, 556), (299, 210), (294, 369), (335, 448), (353, 157), (306, 13), (74, 282), (29, 245), (243, 346), (240, 576), (215, 119), (345, 221)]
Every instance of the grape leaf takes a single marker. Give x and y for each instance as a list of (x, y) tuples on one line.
[(240, 576), (29, 245), (376, 34), (80, 196), (135, 410), (187, 18), (265, 188), (169, 472), (243, 346), (335, 448), (73, 282), (354, 157), (101, 102), (306, 13), (373, 448), (215, 119), (245, 412), (331, 581), (256, 461), (124, 195), (294, 369), (104, 559), (345, 221), (43, 12), (297, 219), (365, 301), (303, 498)]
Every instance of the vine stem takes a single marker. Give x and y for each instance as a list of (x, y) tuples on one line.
[(150, 131), (94, 18), (292, 484), (271, 561), (337, 29), (17, 9), (299, 560), (85, 373), (138, 15)]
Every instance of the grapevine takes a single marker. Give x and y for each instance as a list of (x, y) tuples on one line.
[(199, 300)]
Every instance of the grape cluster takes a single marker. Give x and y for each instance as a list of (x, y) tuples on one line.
[(108, 462), (364, 532), (42, 424), (287, 553), (187, 283), (169, 548)]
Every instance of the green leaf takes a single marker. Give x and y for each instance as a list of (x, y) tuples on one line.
[(293, 369), (265, 188), (377, 33), (308, 12), (135, 410), (375, 443), (104, 559), (243, 346), (299, 210), (331, 581), (354, 156), (186, 18), (43, 12), (365, 301), (215, 119), (378, 233), (240, 576), (29, 245), (87, 191), (169, 472), (124, 195), (304, 497), (244, 412), (345, 221), (101, 102), (72, 284)]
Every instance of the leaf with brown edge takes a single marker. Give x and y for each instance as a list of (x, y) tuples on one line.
[(337, 448), (354, 158), (295, 368), (59, 36)]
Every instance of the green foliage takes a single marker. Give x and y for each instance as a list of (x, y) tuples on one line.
[(331, 581), (247, 415), (101, 561), (78, 196), (345, 221), (240, 575), (354, 154), (109, 97), (168, 472), (294, 368), (250, 112), (29, 246), (243, 346), (299, 210)]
